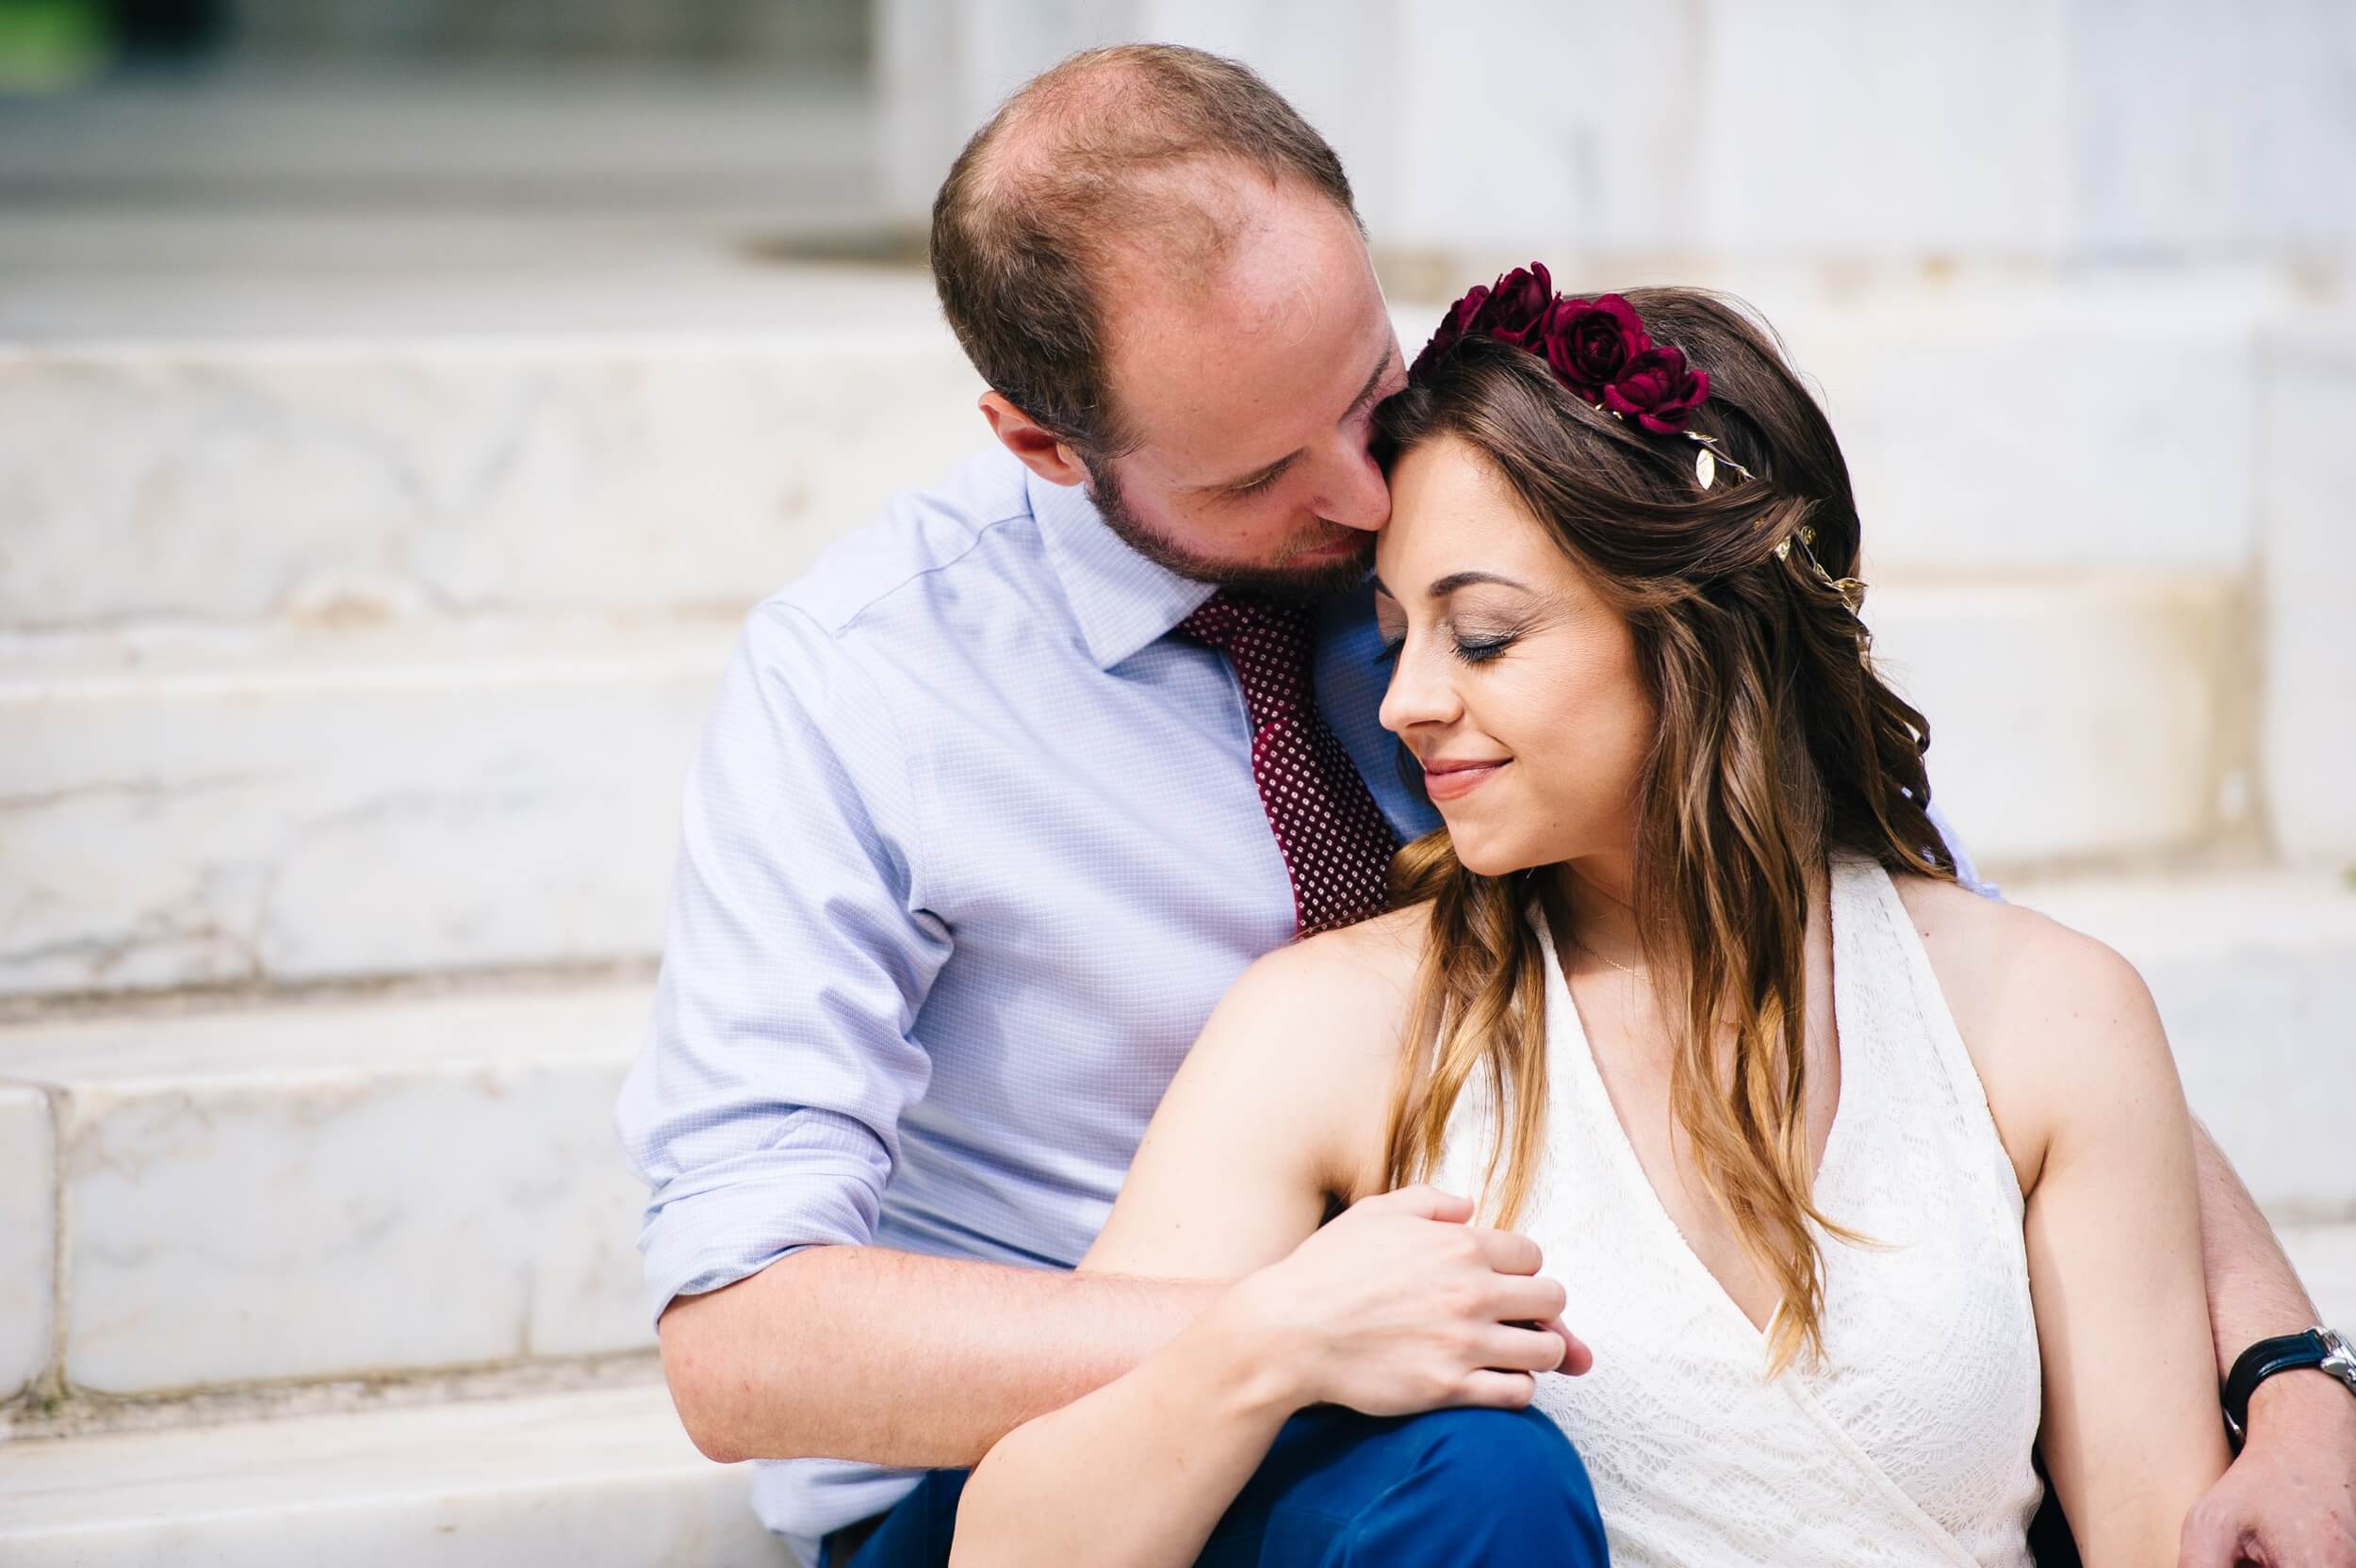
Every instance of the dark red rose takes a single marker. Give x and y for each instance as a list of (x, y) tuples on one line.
[(1590, 342), (1466, 311), (1657, 389), (1458, 318), (1516, 310)]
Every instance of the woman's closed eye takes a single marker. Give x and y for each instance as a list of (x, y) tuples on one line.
[(1472, 651)]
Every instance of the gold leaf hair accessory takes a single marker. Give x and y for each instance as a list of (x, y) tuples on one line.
[(1706, 465)]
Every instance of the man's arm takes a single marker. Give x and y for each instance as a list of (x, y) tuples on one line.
[(2290, 1497), (2253, 1293), (764, 1112), (862, 1352)]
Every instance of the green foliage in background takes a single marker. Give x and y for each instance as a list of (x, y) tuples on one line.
[(49, 45)]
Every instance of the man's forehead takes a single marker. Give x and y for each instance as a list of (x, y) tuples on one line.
[(1218, 399)]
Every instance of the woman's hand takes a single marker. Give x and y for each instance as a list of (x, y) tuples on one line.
[(1400, 1306)]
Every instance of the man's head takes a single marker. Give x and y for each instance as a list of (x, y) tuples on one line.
[(1157, 266)]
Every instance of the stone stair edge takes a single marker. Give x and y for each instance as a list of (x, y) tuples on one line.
[(555, 346), (379, 635), (268, 1037), (2299, 907), (173, 657), (787, 301), (2311, 907), (599, 1474), (71, 1416)]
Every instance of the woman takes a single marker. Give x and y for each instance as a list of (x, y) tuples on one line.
[(1856, 1183)]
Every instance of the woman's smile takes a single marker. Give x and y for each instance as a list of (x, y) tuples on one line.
[(1443, 779)]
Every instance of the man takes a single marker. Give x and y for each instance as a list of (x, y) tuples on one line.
[(975, 839)]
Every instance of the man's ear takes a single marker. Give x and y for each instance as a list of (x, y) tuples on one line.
[(1041, 451)]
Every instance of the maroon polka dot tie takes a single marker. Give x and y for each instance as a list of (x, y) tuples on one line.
[(1336, 845)]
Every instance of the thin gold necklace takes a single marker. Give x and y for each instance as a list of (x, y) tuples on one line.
[(1631, 974)]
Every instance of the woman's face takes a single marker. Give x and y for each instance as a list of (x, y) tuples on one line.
[(1514, 684)]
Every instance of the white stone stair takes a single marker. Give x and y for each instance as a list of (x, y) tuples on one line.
[(431, 475), (311, 1190), (288, 805), (316, 1189), (365, 566), (2073, 720), (603, 1479), (2255, 977), (283, 804), (353, 638)]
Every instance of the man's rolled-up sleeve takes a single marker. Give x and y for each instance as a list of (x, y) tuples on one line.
[(763, 1109)]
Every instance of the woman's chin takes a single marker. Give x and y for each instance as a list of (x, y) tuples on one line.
[(1483, 859)]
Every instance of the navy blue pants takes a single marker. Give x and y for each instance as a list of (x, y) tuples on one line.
[(1340, 1490)]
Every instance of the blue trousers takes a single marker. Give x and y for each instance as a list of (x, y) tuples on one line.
[(1340, 1490)]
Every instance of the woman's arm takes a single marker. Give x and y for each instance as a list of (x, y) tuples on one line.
[(1396, 1306), (2130, 1432)]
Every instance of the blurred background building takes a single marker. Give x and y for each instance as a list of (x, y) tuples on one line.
[(401, 400)]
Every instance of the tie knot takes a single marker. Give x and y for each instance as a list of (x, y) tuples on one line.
[(1227, 619), (1267, 640)]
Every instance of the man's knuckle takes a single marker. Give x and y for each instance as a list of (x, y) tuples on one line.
[(2207, 1522)]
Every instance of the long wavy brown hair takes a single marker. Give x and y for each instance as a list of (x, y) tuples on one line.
[(1776, 746)]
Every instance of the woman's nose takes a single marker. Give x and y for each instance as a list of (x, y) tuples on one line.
[(1419, 694)]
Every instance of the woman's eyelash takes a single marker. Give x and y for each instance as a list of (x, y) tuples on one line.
[(1481, 652), (1476, 652)]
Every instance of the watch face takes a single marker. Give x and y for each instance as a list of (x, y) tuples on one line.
[(2340, 1360)]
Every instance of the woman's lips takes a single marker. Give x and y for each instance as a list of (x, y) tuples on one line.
[(1454, 780)]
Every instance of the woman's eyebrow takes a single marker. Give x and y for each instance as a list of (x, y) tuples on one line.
[(1454, 580), (1449, 585)]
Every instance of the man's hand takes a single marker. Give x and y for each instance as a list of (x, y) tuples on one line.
[(1399, 1306), (2289, 1501)]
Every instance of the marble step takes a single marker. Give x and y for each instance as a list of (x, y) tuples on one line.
[(650, 427), (2077, 718), (2255, 977), (412, 476), (604, 1478), (327, 1189), (324, 1190), (280, 805)]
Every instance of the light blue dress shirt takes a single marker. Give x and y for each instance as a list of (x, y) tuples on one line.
[(970, 849)]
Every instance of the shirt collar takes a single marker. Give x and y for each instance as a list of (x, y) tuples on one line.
[(1121, 600)]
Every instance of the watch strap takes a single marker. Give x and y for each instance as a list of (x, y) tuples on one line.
[(2287, 1354)]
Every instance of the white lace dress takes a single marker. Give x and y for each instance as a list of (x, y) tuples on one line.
[(1909, 1443)]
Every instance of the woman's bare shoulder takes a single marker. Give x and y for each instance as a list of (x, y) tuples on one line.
[(1364, 971), (2054, 1019), (1316, 1027)]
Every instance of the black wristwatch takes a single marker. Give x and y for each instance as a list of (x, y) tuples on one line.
[(2321, 1348)]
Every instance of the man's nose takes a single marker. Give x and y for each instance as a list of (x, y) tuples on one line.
[(1354, 493)]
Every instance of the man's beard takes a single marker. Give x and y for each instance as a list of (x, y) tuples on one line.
[(1315, 580)]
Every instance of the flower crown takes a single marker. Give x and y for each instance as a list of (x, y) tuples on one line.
[(1598, 349)]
